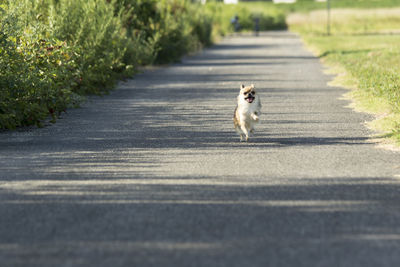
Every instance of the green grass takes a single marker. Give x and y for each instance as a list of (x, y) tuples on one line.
[(346, 21), (363, 49), (309, 5), (305, 6)]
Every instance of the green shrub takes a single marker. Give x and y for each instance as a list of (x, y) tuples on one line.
[(270, 17), (36, 73), (55, 51), (98, 33), (179, 27)]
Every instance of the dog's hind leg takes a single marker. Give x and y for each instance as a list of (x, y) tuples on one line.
[(245, 132), (240, 132), (251, 131)]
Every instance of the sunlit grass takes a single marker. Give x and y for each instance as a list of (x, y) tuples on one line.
[(347, 21), (364, 48)]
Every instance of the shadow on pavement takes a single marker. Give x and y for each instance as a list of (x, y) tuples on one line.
[(200, 221)]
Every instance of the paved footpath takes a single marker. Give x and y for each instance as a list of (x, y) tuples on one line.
[(154, 174)]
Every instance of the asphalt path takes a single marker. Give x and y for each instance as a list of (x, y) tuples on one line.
[(154, 174)]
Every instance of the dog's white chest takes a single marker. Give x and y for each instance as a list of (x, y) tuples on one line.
[(249, 108)]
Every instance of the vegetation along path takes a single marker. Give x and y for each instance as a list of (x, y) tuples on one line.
[(154, 174)]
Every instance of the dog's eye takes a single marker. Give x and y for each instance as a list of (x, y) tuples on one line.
[(246, 93), (253, 92)]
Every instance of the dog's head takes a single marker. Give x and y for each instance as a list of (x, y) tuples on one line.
[(248, 93)]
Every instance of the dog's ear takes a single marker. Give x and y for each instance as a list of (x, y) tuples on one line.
[(242, 86), (252, 86)]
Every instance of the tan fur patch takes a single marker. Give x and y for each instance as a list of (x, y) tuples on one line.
[(236, 121)]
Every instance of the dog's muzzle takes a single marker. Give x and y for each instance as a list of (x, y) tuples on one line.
[(250, 98)]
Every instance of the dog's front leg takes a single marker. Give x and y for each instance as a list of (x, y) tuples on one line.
[(254, 116)]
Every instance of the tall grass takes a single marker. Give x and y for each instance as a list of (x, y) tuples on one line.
[(305, 6), (347, 21)]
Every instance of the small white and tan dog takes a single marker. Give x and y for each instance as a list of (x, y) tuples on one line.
[(247, 111)]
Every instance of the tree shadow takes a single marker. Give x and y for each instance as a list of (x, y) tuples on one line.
[(183, 220)]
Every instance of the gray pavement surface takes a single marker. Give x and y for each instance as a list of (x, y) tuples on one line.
[(154, 174)]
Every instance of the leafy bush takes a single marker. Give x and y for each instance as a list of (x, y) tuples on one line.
[(100, 36), (36, 73), (53, 52), (171, 28), (270, 17)]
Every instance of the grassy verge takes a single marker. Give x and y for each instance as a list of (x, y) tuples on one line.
[(304, 6), (364, 50)]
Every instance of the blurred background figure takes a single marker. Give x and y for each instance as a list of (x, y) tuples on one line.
[(235, 23), (256, 26)]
